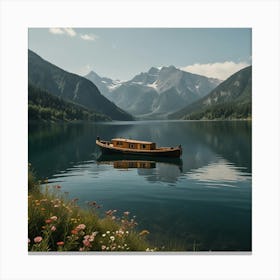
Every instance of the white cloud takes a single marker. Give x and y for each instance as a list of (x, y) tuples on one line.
[(68, 31), (219, 70), (56, 31), (89, 37)]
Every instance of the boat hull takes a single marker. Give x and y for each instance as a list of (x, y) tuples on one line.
[(162, 152)]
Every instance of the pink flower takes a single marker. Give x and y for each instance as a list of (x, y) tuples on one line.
[(126, 213), (86, 242), (53, 228), (80, 226), (103, 247), (38, 239), (48, 221), (60, 243), (54, 218)]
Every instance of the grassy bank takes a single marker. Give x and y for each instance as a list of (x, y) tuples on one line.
[(56, 223)]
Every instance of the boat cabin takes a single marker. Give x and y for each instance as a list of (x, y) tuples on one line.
[(133, 144)]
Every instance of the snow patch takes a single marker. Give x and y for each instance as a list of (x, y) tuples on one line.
[(153, 85), (113, 86)]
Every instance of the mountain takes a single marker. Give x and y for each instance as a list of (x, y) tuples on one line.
[(105, 85), (70, 87), (232, 99), (156, 93), (45, 106)]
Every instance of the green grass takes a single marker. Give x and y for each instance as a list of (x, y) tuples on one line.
[(56, 223)]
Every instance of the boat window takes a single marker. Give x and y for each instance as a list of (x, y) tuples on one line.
[(143, 146), (131, 146), (119, 143)]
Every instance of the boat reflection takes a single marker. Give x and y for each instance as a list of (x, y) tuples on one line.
[(129, 161), (153, 169), (126, 164)]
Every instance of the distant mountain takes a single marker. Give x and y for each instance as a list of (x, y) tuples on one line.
[(156, 93), (47, 107), (232, 99), (71, 87), (105, 85)]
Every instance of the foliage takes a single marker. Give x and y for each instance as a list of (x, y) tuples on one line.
[(56, 223), (45, 106), (225, 111)]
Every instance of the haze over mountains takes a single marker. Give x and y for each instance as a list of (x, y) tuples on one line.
[(71, 87), (156, 93)]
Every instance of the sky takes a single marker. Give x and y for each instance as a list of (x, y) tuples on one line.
[(122, 53)]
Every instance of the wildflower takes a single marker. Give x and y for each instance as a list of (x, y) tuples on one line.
[(43, 209), (56, 205), (53, 228), (48, 221), (80, 226), (126, 213), (60, 243), (74, 232), (103, 247), (108, 232), (86, 242), (127, 232), (112, 238), (38, 239), (104, 234), (144, 232), (53, 218), (81, 249), (109, 212)]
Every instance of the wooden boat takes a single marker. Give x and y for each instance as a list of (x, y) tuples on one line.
[(135, 147)]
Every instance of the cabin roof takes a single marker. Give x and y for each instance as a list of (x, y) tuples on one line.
[(132, 141)]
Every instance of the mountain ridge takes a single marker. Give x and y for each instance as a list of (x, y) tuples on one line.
[(69, 86), (230, 99), (148, 94)]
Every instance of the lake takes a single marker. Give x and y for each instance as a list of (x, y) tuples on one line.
[(201, 202)]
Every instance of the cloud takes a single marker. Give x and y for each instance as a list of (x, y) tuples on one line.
[(56, 30), (219, 70), (88, 37), (70, 32), (60, 31)]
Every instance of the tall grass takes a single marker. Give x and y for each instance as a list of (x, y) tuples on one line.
[(56, 223)]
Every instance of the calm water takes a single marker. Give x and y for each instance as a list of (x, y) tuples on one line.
[(201, 202)]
